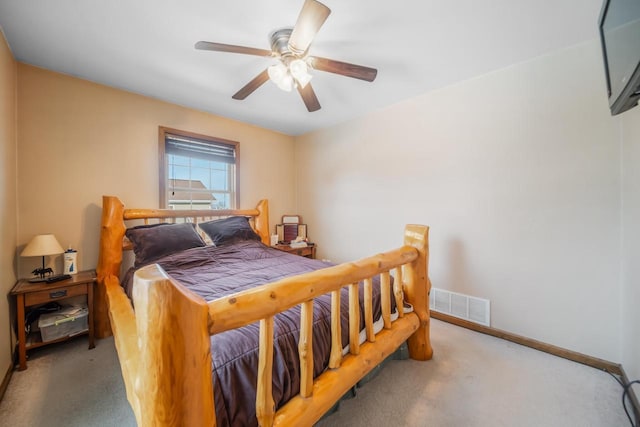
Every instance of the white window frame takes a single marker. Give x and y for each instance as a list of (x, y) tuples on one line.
[(229, 149)]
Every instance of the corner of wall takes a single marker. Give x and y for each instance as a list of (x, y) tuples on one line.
[(8, 196)]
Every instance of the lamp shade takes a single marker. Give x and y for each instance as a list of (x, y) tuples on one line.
[(41, 245)]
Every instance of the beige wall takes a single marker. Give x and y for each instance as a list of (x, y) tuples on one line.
[(8, 222), (518, 174), (631, 242), (79, 140)]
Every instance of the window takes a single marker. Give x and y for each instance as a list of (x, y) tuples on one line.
[(197, 171)]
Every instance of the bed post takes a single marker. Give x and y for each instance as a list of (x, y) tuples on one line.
[(262, 221), (416, 288), (109, 259), (174, 383)]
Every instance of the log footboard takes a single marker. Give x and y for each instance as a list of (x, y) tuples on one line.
[(169, 383)]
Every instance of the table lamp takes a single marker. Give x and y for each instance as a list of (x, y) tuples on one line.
[(42, 245)]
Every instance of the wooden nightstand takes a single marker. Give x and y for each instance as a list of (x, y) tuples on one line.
[(34, 294), (308, 252)]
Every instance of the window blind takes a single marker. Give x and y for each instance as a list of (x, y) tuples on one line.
[(200, 149)]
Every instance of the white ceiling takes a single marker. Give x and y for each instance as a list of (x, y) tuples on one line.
[(146, 47)]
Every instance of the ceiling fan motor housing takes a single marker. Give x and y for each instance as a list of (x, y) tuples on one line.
[(280, 44)]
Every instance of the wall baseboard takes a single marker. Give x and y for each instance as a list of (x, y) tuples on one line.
[(594, 362), (5, 381)]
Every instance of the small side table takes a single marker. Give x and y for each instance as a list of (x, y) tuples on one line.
[(308, 252), (32, 294)]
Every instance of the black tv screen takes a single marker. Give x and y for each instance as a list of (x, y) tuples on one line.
[(620, 37)]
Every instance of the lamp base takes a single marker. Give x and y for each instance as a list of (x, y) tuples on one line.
[(42, 272)]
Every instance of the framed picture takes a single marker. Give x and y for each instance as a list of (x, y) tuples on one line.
[(288, 232), (291, 219)]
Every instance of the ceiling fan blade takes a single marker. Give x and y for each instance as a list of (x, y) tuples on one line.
[(311, 18), (343, 68), (250, 87), (219, 47), (309, 97)]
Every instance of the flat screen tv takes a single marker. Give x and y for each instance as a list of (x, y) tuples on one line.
[(620, 37)]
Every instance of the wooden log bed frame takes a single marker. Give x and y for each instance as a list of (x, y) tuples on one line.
[(169, 383)]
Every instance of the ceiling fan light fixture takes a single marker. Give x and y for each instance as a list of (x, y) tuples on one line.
[(300, 71), (285, 77), (287, 83), (279, 74)]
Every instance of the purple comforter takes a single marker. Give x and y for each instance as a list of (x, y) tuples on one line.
[(214, 272)]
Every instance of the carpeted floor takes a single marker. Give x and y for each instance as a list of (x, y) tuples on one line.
[(473, 380), (68, 385)]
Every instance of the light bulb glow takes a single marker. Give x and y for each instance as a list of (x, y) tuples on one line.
[(300, 72), (277, 72), (286, 83), (298, 68), (285, 77)]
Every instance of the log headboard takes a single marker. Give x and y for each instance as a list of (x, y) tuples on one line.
[(113, 242)]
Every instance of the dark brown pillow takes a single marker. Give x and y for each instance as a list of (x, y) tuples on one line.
[(151, 242), (229, 230)]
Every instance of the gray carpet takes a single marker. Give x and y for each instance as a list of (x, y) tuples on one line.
[(68, 385), (473, 380), (478, 380)]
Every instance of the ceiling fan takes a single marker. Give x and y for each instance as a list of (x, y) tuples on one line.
[(290, 46)]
